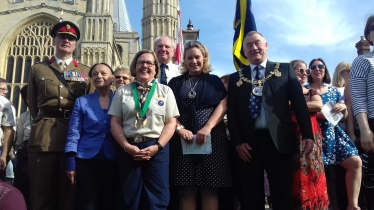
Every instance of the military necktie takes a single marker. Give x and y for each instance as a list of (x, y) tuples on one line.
[(255, 101), (62, 65), (163, 79)]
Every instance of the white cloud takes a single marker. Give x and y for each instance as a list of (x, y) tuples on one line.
[(306, 22)]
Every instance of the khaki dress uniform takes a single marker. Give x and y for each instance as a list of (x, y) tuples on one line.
[(50, 105)]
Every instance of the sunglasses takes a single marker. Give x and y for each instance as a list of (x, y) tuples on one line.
[(304, 71), (371, 28), (320, 66), (123, 77)]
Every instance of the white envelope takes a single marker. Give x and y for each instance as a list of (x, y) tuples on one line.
[(332, 117), (194, 148)]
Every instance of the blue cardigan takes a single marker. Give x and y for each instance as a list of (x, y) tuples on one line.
[(89, 129)]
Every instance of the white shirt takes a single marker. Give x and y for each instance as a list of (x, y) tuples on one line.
[(171, 71), (261, 122), (67, 61), (162, 106), (6, 114)]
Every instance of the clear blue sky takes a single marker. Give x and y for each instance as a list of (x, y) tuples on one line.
[(294, 29)]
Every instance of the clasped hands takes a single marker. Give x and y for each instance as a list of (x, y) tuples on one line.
[(201, 135), (244, 149), (142, 154)]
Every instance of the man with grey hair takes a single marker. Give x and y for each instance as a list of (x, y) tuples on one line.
[(261, 127), (164, 48)]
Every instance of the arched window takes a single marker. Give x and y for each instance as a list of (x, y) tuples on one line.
[(120, 50), (22, 54)]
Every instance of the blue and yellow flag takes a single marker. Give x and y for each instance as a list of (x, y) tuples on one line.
[(244, 22)]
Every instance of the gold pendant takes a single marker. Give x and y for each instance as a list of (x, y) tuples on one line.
[(144, 123), (257, 91), (239, 83)]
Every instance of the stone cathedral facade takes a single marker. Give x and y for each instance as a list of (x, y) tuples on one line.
[(106, 36), (159, 18)]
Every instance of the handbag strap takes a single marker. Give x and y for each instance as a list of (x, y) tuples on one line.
[(62, 80)]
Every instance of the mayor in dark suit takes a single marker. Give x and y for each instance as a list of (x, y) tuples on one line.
[(261, 128)]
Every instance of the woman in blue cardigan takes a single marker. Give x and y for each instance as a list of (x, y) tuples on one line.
[(90, 147)]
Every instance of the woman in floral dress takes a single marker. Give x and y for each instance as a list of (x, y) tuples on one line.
[(338, 148)]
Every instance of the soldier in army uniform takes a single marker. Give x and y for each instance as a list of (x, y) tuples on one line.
[(53, 87)]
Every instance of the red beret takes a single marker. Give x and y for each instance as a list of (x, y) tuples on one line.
[(65, 27)]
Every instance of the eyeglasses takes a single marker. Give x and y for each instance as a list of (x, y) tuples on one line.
[(141, 63), (4, 90), (303, 71), (320, 66), (123, 77), (371, 28)]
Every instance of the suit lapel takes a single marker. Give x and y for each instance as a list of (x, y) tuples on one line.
[(247, 73), (55, 65), (269, 67), (94, 99)]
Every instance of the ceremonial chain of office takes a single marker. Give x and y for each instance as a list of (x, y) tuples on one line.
[(276, 72)]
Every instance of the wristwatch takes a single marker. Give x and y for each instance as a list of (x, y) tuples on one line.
[(179, 128), (160, 147)]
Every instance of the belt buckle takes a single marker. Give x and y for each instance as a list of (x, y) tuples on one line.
[(138, 139), (66, 114)]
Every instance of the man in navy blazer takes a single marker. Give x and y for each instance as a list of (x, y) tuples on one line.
[(261, 127)]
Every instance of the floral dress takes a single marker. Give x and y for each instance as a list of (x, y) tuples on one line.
[(337, 146), (309, 187)]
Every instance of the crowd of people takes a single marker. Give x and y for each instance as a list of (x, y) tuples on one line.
[(130, 138)]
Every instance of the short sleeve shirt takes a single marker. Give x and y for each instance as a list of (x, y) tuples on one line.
[(162, 106), (6, 114)]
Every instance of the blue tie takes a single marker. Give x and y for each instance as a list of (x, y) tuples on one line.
[(163, 74), (255, 101)]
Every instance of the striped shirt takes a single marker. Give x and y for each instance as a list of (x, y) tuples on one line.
[(362, 84)]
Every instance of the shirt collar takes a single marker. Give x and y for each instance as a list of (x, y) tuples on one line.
[(67, 61), (167, 65), (263, 64)]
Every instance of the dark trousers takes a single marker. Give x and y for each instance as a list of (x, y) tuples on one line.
[(366, 199), (97, 181), (144, 184), (49, 187), (280, 169), (21, 174)]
